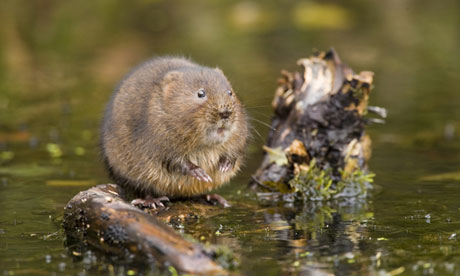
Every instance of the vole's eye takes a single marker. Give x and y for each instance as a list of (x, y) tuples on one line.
[(201, 93), (229, 92)]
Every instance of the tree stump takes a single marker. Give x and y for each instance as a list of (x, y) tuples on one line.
[(319, 115)]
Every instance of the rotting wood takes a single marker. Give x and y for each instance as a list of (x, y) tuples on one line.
[(320, 115), (102, 219)]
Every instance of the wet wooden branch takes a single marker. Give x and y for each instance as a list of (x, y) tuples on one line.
[(101, 218)]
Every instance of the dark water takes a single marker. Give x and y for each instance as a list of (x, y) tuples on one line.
[(60, 60)]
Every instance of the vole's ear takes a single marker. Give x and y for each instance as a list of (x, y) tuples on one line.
[(172, 76), (170, 84)]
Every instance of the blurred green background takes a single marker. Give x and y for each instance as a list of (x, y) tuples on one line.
[(60, 60)]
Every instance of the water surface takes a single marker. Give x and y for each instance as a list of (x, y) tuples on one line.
[(60, 60)]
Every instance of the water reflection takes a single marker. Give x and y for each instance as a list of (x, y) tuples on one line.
[(311, 235)]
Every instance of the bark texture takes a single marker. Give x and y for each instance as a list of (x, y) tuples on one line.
[(101, 218), (319, 113)]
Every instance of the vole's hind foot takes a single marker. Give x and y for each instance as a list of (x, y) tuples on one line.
[(225, 165), (150, 202), (216, 199)]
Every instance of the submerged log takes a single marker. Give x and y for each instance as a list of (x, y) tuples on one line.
[(320, 115), (101, 218)]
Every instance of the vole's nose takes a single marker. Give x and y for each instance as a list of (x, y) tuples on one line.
[(225, 114)]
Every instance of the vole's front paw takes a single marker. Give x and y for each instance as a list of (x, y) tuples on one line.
[(195, 171), (200, 174), (225, 164)]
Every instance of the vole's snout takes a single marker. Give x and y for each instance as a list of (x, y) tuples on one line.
[(225, 113)]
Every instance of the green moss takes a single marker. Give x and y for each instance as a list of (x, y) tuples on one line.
[(221, 254), (225, 257), (316, 184)]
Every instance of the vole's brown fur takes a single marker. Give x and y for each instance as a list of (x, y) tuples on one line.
[(158, 132)]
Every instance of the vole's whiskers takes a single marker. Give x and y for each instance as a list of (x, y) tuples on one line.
[(258, 106), (258, 133), (261, 114), (263, 123)]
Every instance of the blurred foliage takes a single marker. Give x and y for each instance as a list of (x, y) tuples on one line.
[(54, 150), (450, 176), (27, 171), (60, 60), (311, 15), (55, 55)]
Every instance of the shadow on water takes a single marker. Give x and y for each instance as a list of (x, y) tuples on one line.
[(59, 62)]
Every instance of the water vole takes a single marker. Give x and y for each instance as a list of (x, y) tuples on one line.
[(173, 128)]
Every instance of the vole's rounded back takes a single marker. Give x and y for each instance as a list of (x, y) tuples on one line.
[(174, 128)]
